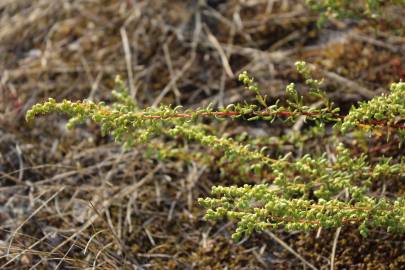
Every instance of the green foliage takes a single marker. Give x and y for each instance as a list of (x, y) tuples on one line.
[(260, 207), (383, 110), (295, 193), (349, 8)]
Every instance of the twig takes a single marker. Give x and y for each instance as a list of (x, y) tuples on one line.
[(332, 256), (128, 60), (287, 247)]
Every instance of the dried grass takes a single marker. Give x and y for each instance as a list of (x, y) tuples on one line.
[(71, 199)]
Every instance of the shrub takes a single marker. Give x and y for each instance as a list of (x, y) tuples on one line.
[(301, 193)]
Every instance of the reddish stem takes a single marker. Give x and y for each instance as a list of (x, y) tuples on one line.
[(267, 113)]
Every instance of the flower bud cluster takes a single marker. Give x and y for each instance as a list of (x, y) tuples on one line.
[(386, 110), (260, 207)]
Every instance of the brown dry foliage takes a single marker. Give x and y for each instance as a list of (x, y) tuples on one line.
[(73, 199)]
